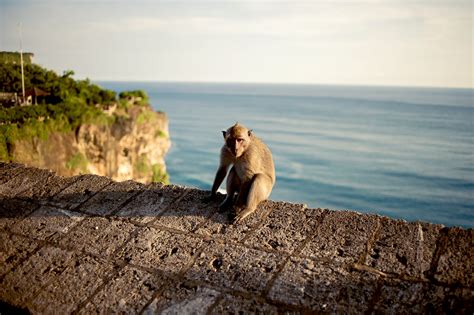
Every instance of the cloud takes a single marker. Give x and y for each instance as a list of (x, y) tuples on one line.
[(310, 41), (290, 20)]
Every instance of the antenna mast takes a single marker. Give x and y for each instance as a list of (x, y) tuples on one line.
[(21, 62)]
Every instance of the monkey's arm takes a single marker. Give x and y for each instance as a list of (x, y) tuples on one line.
[(220, 175), (225, 162)]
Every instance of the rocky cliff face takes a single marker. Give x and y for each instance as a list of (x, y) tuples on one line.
[(132, 147)]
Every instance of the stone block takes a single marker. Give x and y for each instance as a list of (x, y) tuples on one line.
[(161, 250), (6, 167), (14, 249), (286, 227), (150, 203), (456, 260), (79, 280), (234, 267), (10, 170), (13, 211), (220, 225), (24, 180), (109, 199), (183, 298), (341, 237), (230, 304), (404, 248), (126, 293), (323, 288), (26, 280), (402, 297), (47, 189), (98, 236), (83, 188), (46, 221), (187, 213)]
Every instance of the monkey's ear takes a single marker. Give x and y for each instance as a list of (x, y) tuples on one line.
[(250, 132), (224, 133)]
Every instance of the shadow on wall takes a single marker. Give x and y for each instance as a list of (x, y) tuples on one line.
[(151, 202), (163, 247)]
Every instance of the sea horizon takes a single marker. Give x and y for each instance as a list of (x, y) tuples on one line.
[(368, 85)]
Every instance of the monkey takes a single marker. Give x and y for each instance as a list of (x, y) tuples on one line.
[(252, 175)]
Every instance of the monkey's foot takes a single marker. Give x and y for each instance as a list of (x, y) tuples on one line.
[(209, 198), (226, 205), (241, 215)]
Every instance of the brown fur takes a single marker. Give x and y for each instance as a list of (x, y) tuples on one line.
[(252, 175)]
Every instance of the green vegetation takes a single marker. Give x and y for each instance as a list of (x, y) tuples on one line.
[(34, 128), (145, 117), (160, 134), (142, 166), (59, 87), (69, 104), (78, 162), (159, 176), (138, 97)]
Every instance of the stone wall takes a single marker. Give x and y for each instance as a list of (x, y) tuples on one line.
[(87, 244)]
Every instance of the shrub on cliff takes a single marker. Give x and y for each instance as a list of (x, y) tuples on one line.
[(78, 162), (136, 97), (59, 87), (69, 104), (159, 176)]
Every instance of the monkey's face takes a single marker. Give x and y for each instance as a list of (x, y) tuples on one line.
[(238, 145), (237, 139)]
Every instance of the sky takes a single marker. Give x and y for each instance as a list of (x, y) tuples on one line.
[(371, 42)]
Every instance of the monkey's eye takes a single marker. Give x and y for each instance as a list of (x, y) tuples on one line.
[(240, 140)]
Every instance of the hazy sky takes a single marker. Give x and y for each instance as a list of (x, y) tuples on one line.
[(382, 42)]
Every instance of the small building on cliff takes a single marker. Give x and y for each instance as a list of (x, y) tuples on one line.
[(15, 58), (35, 96)]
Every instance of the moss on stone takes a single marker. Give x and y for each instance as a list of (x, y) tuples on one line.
[(142, 166), (161, 134), (159, 176), (78, 162)]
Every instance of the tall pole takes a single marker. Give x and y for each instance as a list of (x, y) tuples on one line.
[(22, 72)]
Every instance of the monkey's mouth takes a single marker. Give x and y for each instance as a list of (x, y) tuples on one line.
[(234, 152)]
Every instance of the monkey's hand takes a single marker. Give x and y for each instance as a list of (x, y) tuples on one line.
[(226, 205), (242, 215)]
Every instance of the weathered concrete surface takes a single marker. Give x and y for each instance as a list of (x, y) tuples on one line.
[(86, 244)]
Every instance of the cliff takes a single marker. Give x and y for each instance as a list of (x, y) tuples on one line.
[(77, 127), (87, 244), (130, 145)]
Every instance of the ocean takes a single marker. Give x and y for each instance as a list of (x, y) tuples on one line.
[(401, 152)]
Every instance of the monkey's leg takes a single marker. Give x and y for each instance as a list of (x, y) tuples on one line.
[(232, 185), (243, 193), (260, 190)]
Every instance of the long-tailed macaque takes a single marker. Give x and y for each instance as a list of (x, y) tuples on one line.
[(252, 175)]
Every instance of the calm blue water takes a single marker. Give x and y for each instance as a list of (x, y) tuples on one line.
[(403, 152)]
